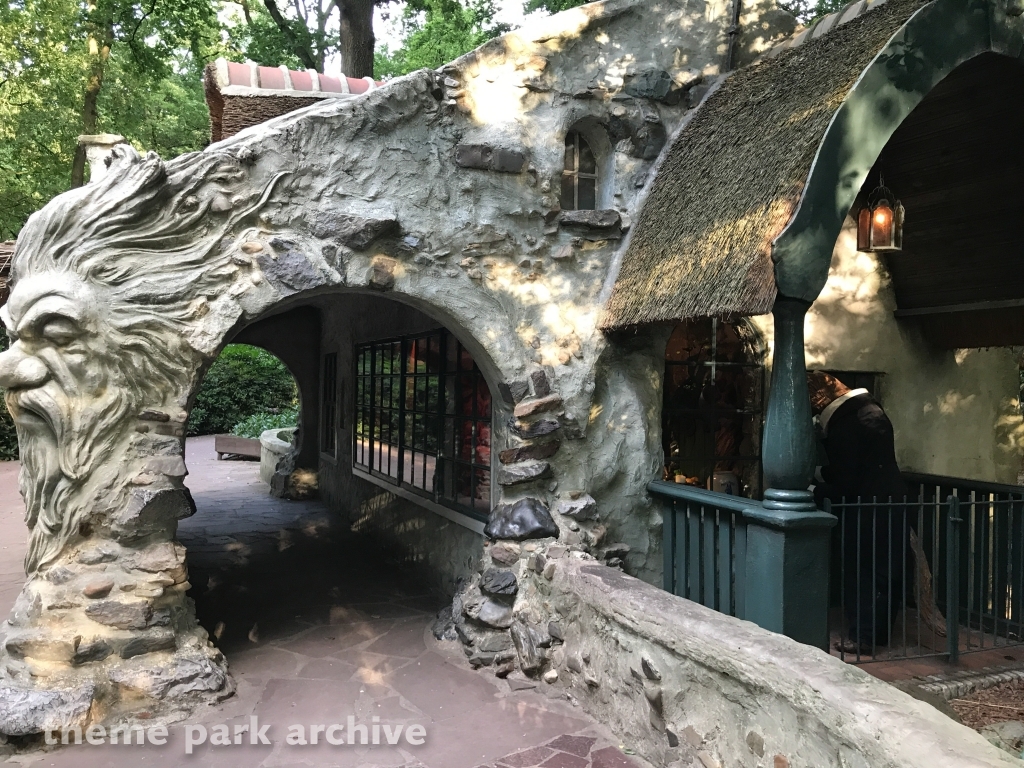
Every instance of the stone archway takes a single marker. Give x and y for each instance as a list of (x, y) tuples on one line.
[(124, 292)]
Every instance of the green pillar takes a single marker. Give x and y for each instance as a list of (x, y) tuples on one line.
[(787, 536)]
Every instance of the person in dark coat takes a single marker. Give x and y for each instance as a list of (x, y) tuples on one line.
[(861, 464)]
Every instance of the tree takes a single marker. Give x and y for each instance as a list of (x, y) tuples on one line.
[(69, 67), (551, 6), (308, 32), (807, 11), (437, 31)]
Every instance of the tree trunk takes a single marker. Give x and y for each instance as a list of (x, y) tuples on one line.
[(356, 40), (99, 43)]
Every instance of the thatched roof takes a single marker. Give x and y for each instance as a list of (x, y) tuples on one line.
[(732, 177), (6, 254)]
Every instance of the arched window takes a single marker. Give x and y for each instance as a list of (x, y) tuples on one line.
[(579, 177), (711, 418)]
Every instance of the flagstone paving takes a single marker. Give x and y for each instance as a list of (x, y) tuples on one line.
[(318, 626)]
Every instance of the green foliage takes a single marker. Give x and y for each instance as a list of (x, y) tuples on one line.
[(8, 434), (243, 381), (435, 32), (260, 39), (807, 11), (258, 423), (551, 6), (148, 56)]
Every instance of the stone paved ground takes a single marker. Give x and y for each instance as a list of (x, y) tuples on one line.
[(317, 627)]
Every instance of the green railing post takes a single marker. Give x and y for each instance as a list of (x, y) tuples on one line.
[(787, 535), (953, 578)]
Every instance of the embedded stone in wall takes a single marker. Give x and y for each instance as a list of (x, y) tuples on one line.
[(152, 511), (158, 640), (541, 385), (38, 644), (505, 553), (655, 84), (518, 390), (600, 219), (24, 711), (536, 429), (382, 277), (355, 232), (583, 508), (93, 650), (539, 405), (112, 613), (488, 612), (487, 158), (530, 659), (498, 583), (525, 519), (195, 673), (288, 269), (532, 451), (523, 472)]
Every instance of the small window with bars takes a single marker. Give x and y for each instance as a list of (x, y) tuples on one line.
[(329, 405), (423, 419), (579, 177)]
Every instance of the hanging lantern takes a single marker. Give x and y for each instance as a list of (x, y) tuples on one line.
[(880, 222)]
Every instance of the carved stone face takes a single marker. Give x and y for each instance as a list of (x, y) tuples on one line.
[(67, 393)]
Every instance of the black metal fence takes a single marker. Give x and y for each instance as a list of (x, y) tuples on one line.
[(940, 572)]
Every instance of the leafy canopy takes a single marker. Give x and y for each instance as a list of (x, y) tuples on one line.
[(435, 32), (243, 381)]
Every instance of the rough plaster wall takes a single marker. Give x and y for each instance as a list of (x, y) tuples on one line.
[(954, 411), (407, 530), (684, 685), (623, 452)]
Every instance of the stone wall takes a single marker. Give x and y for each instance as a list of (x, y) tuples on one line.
[(955, 412), (687, 686)]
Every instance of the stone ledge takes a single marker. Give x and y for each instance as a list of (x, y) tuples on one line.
[(800, 701)]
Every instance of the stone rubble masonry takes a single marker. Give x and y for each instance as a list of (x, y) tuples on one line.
[(344, 200), (716, 691)]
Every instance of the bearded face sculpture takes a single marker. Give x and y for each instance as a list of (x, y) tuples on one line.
[(107, 286), (69, 396)]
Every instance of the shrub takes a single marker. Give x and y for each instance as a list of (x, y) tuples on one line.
[(8, 435), (258, 423), (242, 382)]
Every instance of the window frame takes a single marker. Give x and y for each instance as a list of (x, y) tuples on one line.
[(576, 174), (444, 422), (674, 413)]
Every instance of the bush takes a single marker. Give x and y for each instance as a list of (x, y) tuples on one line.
[(258, 423), (242, 382), (8, 435)]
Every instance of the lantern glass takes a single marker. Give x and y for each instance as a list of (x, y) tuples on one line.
[(883, 219), (864, 229)]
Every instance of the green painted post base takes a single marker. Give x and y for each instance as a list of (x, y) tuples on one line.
[(787, 567), (787, 536)]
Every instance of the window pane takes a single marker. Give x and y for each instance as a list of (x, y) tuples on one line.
[(568, 200), (570, 151), (588, 194), (587, 162)]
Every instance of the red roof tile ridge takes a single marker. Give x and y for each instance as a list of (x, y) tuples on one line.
[(252, 79)]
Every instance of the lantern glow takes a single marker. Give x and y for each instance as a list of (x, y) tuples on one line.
[(880, 223)]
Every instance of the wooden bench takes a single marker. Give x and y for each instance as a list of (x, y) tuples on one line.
[(236, 446)]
